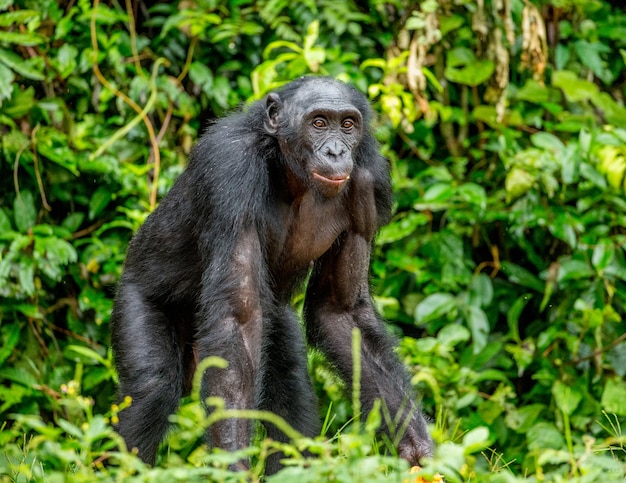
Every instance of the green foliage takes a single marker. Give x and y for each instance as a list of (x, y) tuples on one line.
[(504, 263)]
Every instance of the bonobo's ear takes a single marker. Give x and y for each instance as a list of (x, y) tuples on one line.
[(272, 107)]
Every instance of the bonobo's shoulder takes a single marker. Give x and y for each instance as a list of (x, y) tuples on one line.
[(226, 143), (226, 169), (230, 132)]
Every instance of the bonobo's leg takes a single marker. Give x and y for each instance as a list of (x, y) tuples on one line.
[(229, 326), (149, 364), (285, 388), (338, 300)]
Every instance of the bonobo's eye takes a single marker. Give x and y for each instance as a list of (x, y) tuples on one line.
[(319, 122), (347, 123)]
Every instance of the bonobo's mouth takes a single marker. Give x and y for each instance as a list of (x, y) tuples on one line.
[(335, 181)]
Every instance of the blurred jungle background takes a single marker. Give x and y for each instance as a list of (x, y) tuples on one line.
[(503, 271)]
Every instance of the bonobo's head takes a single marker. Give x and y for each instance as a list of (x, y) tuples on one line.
[(318, 125)]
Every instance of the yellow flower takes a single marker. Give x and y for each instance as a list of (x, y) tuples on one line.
[(420, 479)]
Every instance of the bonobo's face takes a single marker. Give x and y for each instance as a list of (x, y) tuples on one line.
[(318, 128)]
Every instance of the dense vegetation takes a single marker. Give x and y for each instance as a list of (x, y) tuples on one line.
[(504, 266)]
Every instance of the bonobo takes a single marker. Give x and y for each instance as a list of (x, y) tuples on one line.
[(295, 186)]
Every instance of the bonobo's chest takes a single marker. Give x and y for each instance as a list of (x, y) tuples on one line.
[(310, 225)]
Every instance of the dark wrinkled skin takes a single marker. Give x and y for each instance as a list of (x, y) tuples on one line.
[(291, 187)]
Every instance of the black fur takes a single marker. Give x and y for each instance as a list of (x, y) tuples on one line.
[(294, 183)]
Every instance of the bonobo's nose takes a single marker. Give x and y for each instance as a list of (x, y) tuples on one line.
[(335, 150)]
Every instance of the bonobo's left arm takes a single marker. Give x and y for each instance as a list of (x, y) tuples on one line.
[(338, 300)]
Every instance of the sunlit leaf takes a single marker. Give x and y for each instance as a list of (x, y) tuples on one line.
[(463, 67), (476, 440), (435, 306), (26, 38), (518, 182), (453, 334), (575, 89), (401, 227)]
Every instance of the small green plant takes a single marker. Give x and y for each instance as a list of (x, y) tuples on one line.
[(503, 264)]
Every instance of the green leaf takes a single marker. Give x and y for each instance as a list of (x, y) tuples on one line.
[(18, 17), (429, 6), (202, 76), (26, 276), (475, 440), (56, 250), (26, 39), (575, 89), (415, 22), (521, 419), (73, 221), (480, 290), (22, 101), (312, 34), (513, 315), (548, 141), (589, 54), (462, 67), (518, 182), (314, 58), (70, 429), (563, 229), (614, 112), (617, 359), (21, 376), (402, 227), (5, 223), (10, 334), (533, 91), (473, 194), (453, 334), (103, 164), (435, 306), (478, 324), (66, 60), (614, 396), (588, 172), (6, 82), (562, 55), (99, 202), (30, 69), (567, 397), (392, 106), (544, 435), (24, 211), (488, 115), (84, 354), (438, 193), (612, 164), (603, 254), (572, 269), (449, 23), (53, 145), (29, 310), (105, 15)]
